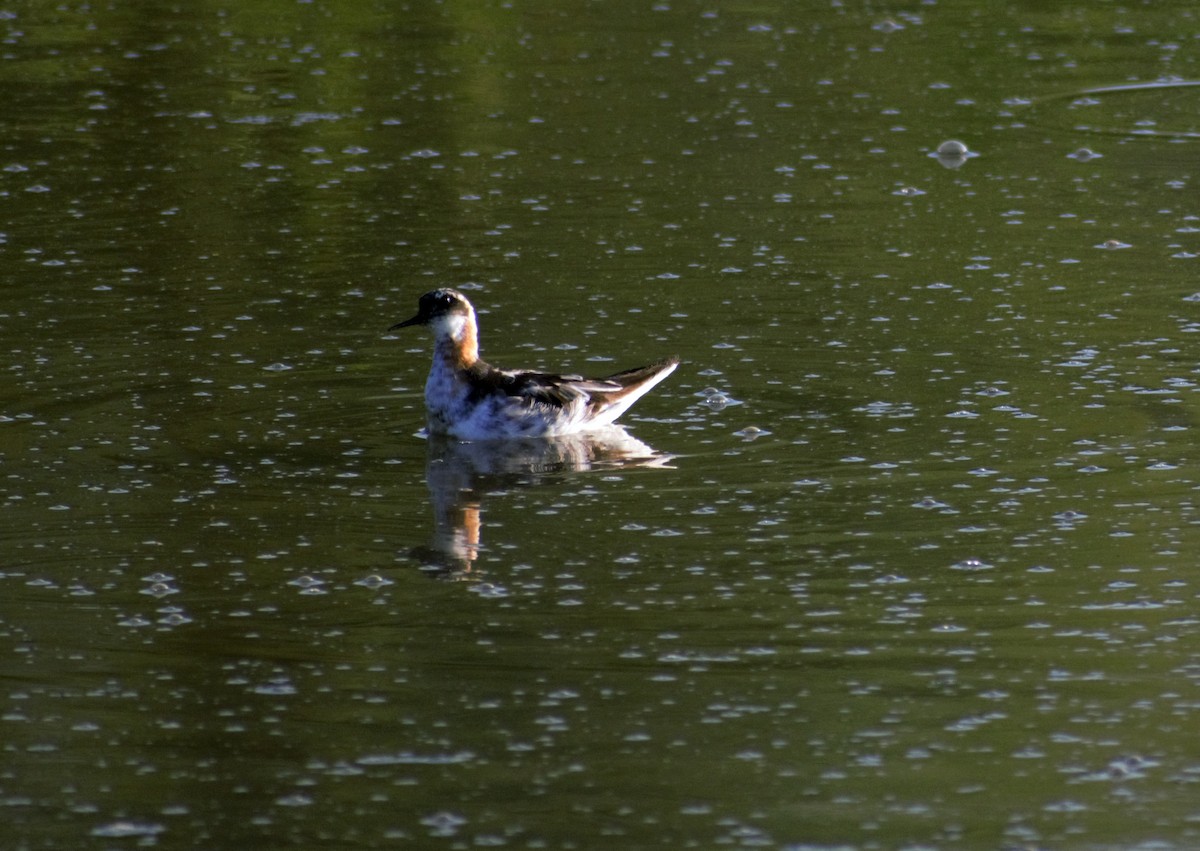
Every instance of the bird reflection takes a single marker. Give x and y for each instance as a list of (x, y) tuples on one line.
[(460, 474)]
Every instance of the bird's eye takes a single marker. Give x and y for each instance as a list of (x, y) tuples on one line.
[(447, 299)]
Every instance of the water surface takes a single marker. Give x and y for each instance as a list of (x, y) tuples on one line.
[(899, 557)]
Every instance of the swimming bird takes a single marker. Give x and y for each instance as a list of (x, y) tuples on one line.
[(473, 400)]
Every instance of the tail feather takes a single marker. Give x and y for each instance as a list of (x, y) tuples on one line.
[(607, 405), (639, 373)]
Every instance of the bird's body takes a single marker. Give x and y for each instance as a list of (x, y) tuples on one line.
[(470, 399)]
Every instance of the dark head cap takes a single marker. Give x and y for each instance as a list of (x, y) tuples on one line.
[(434, 304)]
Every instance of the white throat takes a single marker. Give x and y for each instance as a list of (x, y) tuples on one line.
[(452, 326)]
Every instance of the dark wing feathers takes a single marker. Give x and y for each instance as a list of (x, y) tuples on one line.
[(559, 390)]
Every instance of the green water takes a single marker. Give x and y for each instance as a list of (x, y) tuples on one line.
[(903, 559)]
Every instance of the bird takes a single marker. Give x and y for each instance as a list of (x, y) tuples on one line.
[(472, 400)]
